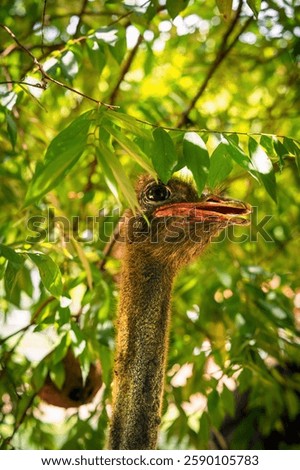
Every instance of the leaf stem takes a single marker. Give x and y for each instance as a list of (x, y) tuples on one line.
[(211, 131)]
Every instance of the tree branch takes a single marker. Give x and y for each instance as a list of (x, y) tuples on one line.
[(130, 57), (7, 441), (46, 77), (221, 55), (43, 23), (125, 69), (80, 14), (20, 82)]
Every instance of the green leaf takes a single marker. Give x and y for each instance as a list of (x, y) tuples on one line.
[(236, 153), (23, 404), (25, 281), (220, 165), (106, 362), (130, 147), (70, 140), (262, 165), (245, 380), (175, 7), (69, 66), (39, 374), (129, 123), (116, 172), (78, 338), (11, 255), (228, 401), (293, 148), (225, 8), (64, 315), (118, 49), (292, 403), (277, 312), (57, 374), (232, 138), (11, 275), (49, 272), (164, 156), (149, 62), (108, 175), (146, 146), (2, 267), (267, 142), (85, 363), (61, 350), (213, 400), (63, 152), (255, 6), (281, 152), (11, 129), (205, 430), (196, 158), (151, 10), (96, 54)]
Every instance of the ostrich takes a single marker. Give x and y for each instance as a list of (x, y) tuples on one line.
[(174, 227)]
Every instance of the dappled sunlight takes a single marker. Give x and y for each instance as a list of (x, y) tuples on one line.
[(260, 162)]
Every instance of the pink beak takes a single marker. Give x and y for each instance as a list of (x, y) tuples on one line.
[(213, 209)]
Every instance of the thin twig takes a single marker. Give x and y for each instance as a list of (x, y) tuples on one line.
[(7, 441), (129, 13), (9, 31), (32, 322), (211, 131), (231, 27), (47, 77), (20, 82), (80, 14), (43, 23), (47, 48), (22, 330), (85, 13)]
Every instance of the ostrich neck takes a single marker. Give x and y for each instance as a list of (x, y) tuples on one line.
[(142, 340)]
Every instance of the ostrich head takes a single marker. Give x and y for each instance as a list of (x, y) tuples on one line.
[(175, 224)]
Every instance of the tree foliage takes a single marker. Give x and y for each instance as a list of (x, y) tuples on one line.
[(93, 93)]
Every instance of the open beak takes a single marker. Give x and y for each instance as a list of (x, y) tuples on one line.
[(213, 209)]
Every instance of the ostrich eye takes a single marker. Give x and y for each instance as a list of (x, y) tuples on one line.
[(157, 193)]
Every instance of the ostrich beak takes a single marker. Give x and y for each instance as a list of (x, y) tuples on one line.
[(212, 209)]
